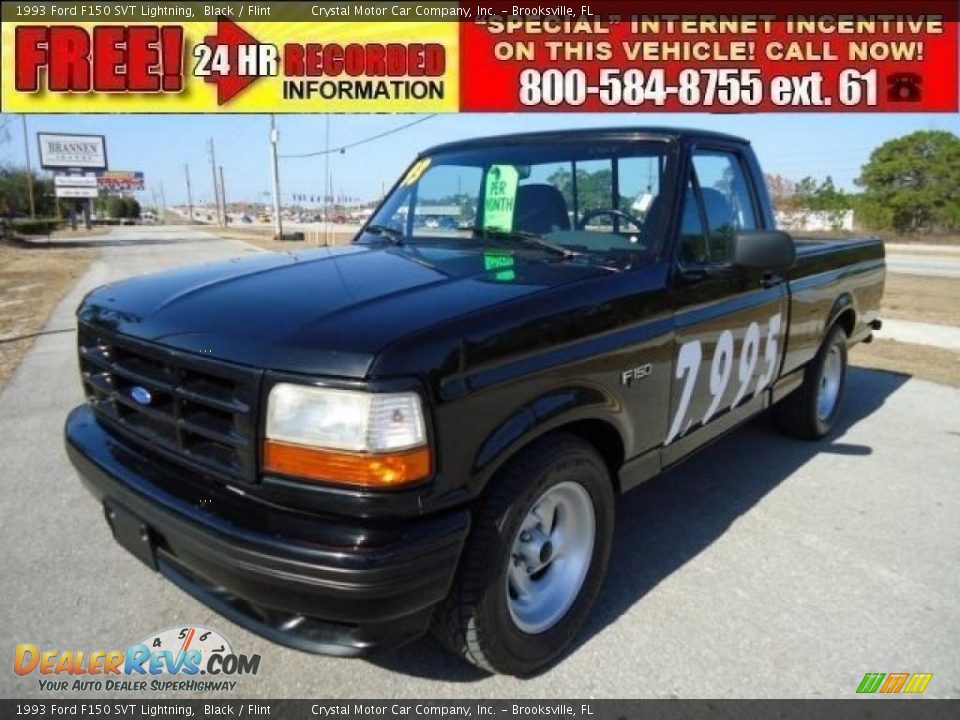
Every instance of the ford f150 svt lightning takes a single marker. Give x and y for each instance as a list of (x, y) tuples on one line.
[(342, 448)]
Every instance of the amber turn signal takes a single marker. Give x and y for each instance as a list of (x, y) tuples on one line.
[(382, 470)]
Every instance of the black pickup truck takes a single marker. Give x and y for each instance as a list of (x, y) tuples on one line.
[(342, 448)]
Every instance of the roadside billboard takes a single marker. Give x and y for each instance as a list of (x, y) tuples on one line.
[(121, 181), (84, 181), (75, 192), (75, 186), (63, 151)]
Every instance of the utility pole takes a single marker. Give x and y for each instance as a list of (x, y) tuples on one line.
[(26, 154), (216, 192), (186, 170), (223, 196), (277, 220), (163, 206), (327, 189)]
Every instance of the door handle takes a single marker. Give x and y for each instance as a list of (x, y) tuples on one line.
[(770, 280)]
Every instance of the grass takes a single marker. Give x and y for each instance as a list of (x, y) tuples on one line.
[(922, 299), (916, 299), (32, 282), (921, 361), (81, 232)]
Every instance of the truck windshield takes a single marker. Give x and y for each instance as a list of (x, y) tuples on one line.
[(584, 197)]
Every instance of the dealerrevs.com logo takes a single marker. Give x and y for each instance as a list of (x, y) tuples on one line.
[(186, 659)]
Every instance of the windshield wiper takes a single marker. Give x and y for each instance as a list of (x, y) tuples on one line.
[(522, 237), (391, 235)]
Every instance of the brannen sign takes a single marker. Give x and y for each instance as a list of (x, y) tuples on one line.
[(64, 151)]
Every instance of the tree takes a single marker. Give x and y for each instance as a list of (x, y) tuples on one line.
[(14, 198), (804, 191), (101, 204), (824, 198), (782, 191), (132, 207), (913, 182), (832, 202), (827, 198), (116, 207), (594, 189)]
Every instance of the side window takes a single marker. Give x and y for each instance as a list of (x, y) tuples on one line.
[(693, 236), (727, 203)]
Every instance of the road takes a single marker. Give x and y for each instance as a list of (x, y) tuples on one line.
[(929, 266), (762, 567), (921, 259), (920, 333)]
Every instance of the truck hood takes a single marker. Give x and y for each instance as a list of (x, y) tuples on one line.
[(328, 311)]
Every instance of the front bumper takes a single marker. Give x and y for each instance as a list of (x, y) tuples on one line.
[(318, 583)]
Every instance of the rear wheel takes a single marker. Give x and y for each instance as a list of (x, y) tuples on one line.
[(535, 559), (812, 411)]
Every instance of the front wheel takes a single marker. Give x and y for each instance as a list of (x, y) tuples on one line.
[(535, 559), (811, 411)]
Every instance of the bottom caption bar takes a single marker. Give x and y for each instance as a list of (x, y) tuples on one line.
[(587, 709)]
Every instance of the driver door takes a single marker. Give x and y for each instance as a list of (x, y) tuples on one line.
[(729, 322)]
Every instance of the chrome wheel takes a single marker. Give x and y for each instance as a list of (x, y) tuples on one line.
[(830, 378), (550, 557)]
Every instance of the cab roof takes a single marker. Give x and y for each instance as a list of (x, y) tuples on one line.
[(579, 135)]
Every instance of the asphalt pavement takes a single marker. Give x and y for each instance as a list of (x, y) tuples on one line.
[(763, 567), (921, 259), (921, 333)]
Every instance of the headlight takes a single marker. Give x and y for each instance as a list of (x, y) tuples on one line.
[(346, 436)]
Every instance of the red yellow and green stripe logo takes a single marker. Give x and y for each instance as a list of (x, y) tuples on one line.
[(894, 683)]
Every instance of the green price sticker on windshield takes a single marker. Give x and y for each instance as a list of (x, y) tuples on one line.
[(500, 197), (502, 263)]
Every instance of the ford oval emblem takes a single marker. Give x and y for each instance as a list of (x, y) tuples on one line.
[(141, 395)]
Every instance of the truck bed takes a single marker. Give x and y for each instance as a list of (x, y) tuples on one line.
[(831, 276)]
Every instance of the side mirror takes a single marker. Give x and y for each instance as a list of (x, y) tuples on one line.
[(763, 250)]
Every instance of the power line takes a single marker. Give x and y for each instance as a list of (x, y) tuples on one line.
[(342, 148)]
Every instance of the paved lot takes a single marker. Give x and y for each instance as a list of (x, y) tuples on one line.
[(763, 567)]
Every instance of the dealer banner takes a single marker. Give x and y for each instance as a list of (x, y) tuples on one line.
[(156, 57)]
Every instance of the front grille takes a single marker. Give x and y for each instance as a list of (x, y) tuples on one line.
[(200, 411)]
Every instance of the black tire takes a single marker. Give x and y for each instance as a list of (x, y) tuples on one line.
[(798, 414), (474, 620)]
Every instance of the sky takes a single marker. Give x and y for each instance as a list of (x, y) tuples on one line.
[(792, 145)]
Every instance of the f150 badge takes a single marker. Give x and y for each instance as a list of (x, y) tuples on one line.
[(636, 374)]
